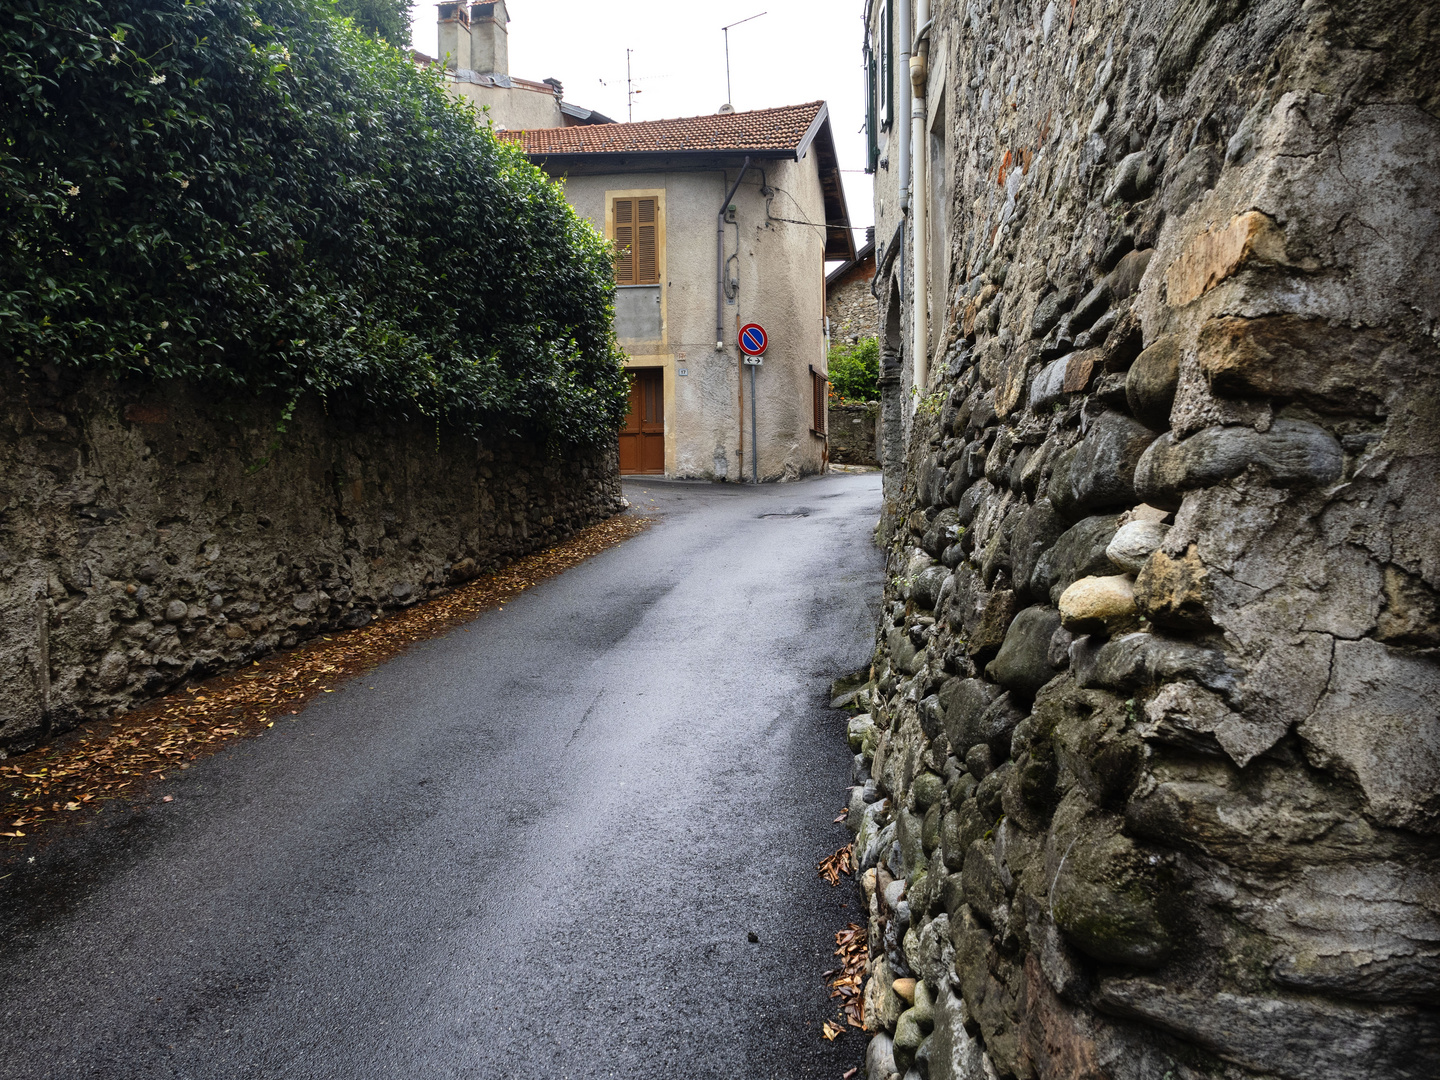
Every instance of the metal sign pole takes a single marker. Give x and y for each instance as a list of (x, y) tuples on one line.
[(754, 445), (753, 341)]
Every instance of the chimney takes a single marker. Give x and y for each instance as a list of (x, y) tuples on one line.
[(455, 36), (489, 40)]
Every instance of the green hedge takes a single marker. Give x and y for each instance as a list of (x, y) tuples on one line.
[(257, 197), (855, 370)]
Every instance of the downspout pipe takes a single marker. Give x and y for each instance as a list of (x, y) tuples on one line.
[(903, 31), (920, 203), (720, 259)]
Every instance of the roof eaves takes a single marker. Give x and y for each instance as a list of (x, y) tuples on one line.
[(866, 252), (821, 116), (839, 239), (769, 153), (704, 135)]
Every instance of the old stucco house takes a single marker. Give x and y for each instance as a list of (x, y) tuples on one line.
[(720, 221), (474, 47)]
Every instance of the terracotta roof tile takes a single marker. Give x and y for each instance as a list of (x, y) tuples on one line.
[(760, 131)]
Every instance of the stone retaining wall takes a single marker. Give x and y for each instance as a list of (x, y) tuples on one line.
[(1148, 781), (853, 439), (148, 535)]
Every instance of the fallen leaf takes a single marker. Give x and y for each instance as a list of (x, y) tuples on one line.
[(832, 866)]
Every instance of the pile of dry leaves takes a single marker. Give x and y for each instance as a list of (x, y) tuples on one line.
[(832, 866), (118, 759), (851, 945)]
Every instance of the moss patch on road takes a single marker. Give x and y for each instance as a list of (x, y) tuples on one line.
[(72, 778)]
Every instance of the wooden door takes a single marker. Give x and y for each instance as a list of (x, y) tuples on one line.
[(642, 439)]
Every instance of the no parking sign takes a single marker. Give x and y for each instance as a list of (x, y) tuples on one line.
[(753, 341)]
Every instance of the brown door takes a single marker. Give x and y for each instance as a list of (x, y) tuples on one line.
[(642, 439)]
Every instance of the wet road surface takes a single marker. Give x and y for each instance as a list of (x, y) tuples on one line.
[(534, 848)]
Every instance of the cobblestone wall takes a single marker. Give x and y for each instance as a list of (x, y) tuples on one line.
[(151, 536), (853, 439), (850, 306), (1148, 774)]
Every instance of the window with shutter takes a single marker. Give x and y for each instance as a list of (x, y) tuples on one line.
[(819, 402), (625, 241), (637, 250), (647, 259)]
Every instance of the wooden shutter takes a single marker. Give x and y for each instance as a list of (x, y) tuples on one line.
[(647, 256), (887, 67), (872, 112), (637, 242), (819, 402), (625, 241)]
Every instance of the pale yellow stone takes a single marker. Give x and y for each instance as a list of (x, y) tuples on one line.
[(1099, 604), (1216, 254), (1174, 591)]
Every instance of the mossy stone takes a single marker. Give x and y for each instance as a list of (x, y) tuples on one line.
[(928, 790)]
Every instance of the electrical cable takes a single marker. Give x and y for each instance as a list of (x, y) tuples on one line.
[(732, 285), (770, 198)]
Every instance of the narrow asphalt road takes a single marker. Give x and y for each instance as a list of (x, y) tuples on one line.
[(532, 848)]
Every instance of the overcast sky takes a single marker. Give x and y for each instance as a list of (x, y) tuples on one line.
[(801, 50)]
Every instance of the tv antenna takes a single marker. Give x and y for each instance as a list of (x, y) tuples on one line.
[(729, 98), (630, 90)]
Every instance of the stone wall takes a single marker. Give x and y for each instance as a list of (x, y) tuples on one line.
[(849, 304), (852, 430), (1148, 773), (148, 535)]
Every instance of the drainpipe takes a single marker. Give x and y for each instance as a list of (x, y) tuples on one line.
[(920, 203), (720, 311), (720, 260), (903, 31)]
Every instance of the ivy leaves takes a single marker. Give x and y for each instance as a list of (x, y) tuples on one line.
[(255, 196)]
